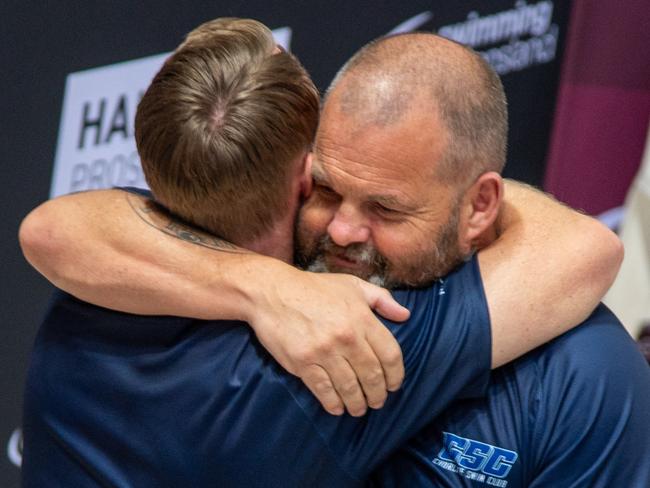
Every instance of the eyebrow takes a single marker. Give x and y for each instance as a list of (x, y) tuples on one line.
[(387, 200), (391, 202)]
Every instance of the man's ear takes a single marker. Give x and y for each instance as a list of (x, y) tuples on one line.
[(306, 181), (481, 205)]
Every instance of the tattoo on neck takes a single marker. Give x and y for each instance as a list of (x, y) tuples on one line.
[(159, 218)]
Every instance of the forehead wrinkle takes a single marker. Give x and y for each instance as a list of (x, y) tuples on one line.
[(354, 161), (371, 186), (361, 176), (362, 189)]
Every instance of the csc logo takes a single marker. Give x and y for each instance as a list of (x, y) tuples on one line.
[(477, 456)]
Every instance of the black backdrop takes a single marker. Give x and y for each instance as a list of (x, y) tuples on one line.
[(41, 45)]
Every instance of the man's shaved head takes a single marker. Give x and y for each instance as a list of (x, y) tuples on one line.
[(397, 75)]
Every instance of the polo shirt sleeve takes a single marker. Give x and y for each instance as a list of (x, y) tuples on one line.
[(447, 354)]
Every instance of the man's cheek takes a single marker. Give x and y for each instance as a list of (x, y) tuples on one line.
[(309, 233), (389, 244), (315, 219)]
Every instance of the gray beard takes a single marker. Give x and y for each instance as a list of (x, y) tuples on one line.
[(318, 265)]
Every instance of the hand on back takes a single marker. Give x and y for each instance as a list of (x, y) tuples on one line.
[(321, 328)]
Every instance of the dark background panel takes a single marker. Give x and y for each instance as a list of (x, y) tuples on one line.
[(41, 44)]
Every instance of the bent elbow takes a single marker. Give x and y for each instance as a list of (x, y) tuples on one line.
[(609, 252), (616, 255), (38, 241)]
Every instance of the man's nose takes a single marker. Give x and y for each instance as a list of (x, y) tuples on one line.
[(348, 226)]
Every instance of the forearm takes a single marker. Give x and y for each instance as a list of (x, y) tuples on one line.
[(109, 248), (546, 272)]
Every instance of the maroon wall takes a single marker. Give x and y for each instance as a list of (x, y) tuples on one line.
[(603, 104)]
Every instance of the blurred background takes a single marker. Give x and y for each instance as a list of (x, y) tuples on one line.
[(576, 73)]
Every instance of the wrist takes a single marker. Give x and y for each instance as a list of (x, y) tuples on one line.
[(256, 279)]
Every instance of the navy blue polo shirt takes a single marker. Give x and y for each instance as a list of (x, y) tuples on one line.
[(114, 399), (572, 413)]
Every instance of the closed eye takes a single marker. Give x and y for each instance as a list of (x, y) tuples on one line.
[(386, 212)]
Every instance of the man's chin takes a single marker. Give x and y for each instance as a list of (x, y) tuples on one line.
[(321, 265), (317, 266)]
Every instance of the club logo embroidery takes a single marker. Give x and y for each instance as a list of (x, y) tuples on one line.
[(475, 460)]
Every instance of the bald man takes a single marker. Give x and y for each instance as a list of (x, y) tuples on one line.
[(414, 177), (568, 414)]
